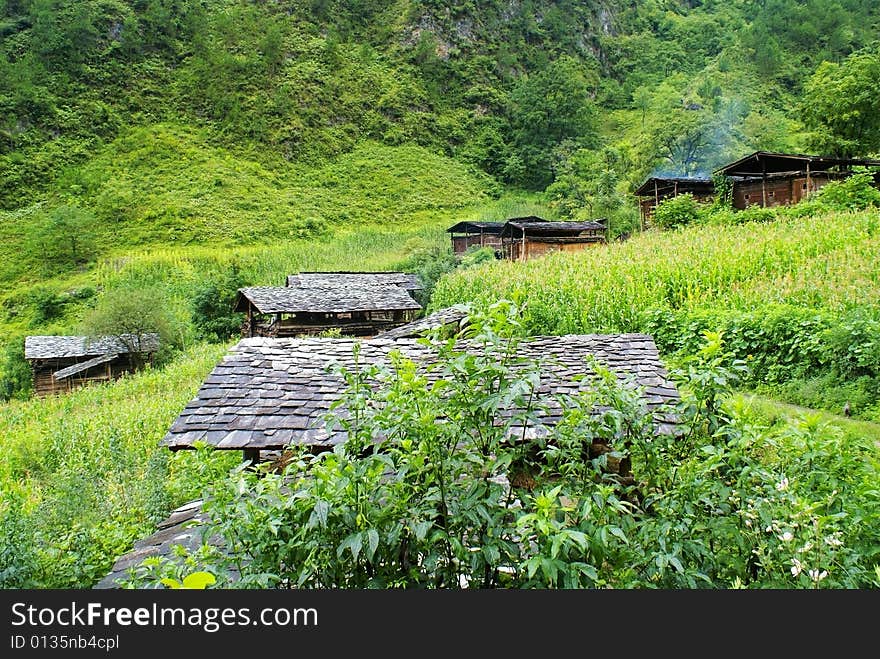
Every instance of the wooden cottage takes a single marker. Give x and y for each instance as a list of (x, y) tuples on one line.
[(408, 281), (475, 234), (270, 393), (658, 188), (298, 310), (770, 179), (61, 363), (525, 239)]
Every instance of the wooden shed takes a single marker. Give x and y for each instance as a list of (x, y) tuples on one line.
[(525, 239), (657, 188), (270, 393), (769, 179), (61, 363), (362, 310), (475, 234), (408, 281)]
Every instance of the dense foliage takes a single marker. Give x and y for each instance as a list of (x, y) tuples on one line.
[(437, 488)]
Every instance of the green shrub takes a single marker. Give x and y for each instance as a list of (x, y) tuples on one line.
[(857, 192), (677, 211), (755, 214), (213, 302), (16, 379)]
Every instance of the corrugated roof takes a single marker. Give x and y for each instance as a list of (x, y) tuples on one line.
[(59, 347), (759, 162), (270, 393), (476, 227), (407, 280), (666, 182), (326, 299)]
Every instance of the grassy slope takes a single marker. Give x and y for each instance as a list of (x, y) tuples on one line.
[(741, 267), (775, 411), (170, 207)]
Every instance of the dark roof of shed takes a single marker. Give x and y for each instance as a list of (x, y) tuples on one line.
[(441, 318), (552, 228), (325, 299), (759, 162), (270, 393), (184, 527), (695, 182), (407, 280), (60, 347), (476, 227)]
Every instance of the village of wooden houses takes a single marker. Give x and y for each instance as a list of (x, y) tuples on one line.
[(429, 295), (275, 387)]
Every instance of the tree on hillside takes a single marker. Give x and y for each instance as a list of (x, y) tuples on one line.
[(129, 314), (549, 108), (841, 105), (64, 238)]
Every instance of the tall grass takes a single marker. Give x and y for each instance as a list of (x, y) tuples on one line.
[(826, 263), (84, 475)]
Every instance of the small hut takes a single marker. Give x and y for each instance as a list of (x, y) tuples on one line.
[(475, 234), (658, 188), (295, 310), (346, 279), (449, 318), (270, 393), (61, 363), (525, 239), (769, 179)]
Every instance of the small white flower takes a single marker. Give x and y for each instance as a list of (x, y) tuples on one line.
[(782, 485), (796, 567), (769, 529), (748, 523), (833, 541), (788, 536), (817, 576)]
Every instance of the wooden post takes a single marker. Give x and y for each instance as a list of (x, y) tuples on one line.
[(522, 256), (808, 177), (764, 185)]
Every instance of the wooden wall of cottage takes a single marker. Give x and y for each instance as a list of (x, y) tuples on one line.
[(776, 191), (46, 385)]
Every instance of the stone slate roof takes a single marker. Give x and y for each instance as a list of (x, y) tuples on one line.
[(405, 280), (84, 366), (173, 531), (59, 347), (441, 318), (270, 393), (325, 299)]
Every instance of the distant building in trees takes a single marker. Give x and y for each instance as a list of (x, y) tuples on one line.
[(770, 179), (523, 239)]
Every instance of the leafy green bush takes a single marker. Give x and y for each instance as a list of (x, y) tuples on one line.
[(677, 211), (427, 492), (213, 306), (856, 192), (755, 214), (16, 379)]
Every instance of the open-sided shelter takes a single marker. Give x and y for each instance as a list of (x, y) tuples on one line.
[(525, 239), (657, 188), (475, 234)]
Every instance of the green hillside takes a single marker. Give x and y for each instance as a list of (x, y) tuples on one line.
[(163, 153)]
